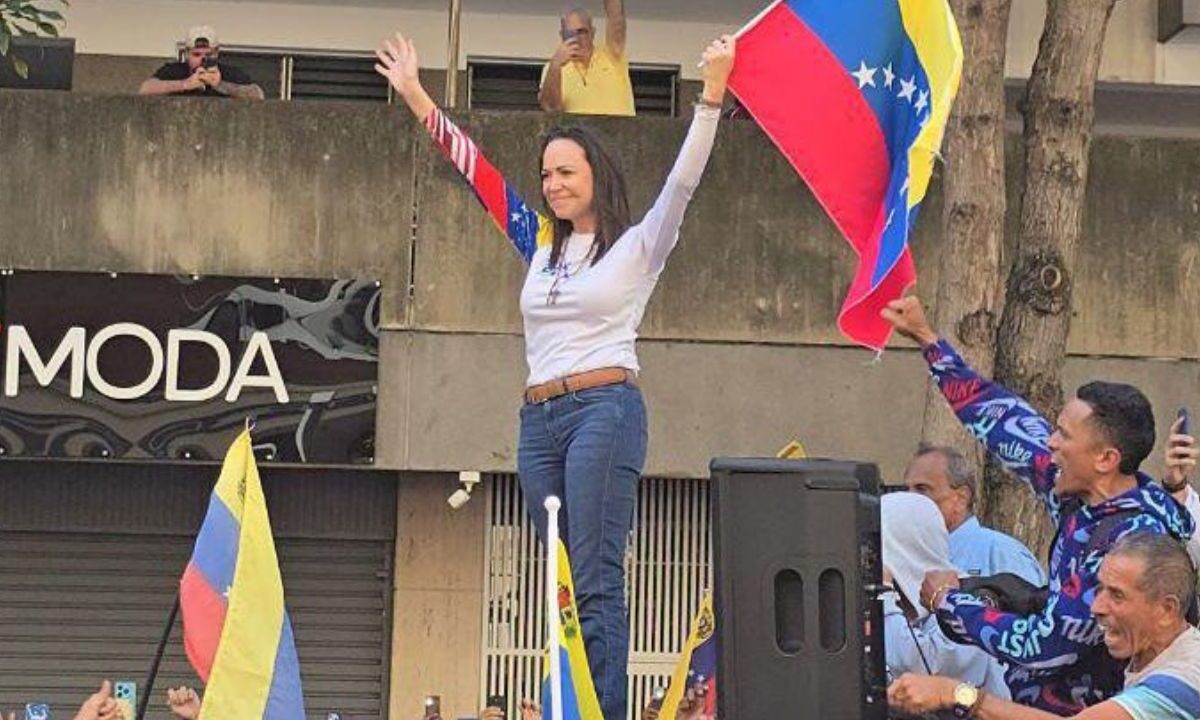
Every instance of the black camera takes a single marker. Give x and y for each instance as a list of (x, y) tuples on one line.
[(209, 62)]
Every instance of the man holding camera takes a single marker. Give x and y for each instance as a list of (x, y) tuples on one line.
[(585, 78), (1084, 469), (200, 73)]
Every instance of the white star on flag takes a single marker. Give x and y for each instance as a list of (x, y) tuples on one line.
[(907, 88), (865, 75), (516, 217), (922, 101), (888, 76)]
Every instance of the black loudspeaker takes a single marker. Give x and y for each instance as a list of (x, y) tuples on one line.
[(799, 623)]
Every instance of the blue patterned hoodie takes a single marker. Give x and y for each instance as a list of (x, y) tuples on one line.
[(1057, 658)]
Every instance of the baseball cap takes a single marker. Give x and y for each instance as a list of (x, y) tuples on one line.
[(202, 35)]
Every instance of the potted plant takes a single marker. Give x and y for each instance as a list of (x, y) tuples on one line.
[(29, 39)]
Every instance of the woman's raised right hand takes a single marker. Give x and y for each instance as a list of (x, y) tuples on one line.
[(398, 63)]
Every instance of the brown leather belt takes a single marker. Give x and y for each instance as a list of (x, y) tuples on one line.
[(539, 394)]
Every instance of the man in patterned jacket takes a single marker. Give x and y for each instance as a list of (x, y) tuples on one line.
[(1084, 469)]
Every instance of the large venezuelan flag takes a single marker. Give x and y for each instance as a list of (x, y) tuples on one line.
[(236, 630), (856, 93), (578, 692), (697, 664)]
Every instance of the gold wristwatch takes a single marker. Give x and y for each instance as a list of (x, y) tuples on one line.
[(966, 699)]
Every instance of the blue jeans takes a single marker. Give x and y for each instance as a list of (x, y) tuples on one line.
[(589, 448)]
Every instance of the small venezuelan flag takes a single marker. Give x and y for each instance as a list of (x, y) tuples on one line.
[(236, 630), (697, 667), (578, 692)]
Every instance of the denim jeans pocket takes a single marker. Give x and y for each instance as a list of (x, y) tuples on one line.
[(602, 394)]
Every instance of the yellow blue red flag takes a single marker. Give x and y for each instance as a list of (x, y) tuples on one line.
[(236, 630), (856, 94), (578, 692), (697, 666)]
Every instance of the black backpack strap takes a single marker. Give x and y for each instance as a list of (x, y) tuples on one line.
[(1066, 507), (1103, 531)]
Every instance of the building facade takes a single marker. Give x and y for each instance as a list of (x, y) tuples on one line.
[(395, 595)]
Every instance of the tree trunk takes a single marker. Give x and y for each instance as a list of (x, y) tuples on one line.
[(968, 300), (1032, 341)]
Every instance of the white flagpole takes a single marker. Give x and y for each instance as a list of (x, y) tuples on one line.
[(552, 506)]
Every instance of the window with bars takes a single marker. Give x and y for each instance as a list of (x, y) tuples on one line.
[(507, 84), (668, 568)]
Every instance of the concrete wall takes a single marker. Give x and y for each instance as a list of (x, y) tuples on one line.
[(741, 351), (437, 629)]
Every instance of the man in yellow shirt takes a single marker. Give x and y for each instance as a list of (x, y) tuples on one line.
[(585, 78)]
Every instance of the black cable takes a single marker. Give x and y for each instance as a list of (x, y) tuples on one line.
[(913, 633)]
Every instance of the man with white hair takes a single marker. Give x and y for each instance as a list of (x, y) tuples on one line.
[(944, 475), (200, 73), (585, 78)]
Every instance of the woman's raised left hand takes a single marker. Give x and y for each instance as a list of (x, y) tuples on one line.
[(718, 63)]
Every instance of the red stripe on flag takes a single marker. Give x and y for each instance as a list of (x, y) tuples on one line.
[(860, 316), (811, 107), (489, 183), (203, 611)]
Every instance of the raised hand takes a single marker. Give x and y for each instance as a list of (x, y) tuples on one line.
[(100, 706), (717, 63), (184, 702), (398, 63), (570, 49), (908, 317), (1182, 454), (530, 710)]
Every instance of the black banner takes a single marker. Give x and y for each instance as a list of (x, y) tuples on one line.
[(97, 365)]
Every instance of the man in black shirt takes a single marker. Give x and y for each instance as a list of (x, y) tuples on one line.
[(200, 74)]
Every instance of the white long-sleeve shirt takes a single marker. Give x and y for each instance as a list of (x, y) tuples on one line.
[(580, 316)]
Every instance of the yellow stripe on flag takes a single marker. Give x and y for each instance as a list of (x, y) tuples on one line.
[(245, 659), (576, 670), (931, 27), (545, 234)]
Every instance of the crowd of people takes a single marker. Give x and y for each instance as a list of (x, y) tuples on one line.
[(1109, 637)]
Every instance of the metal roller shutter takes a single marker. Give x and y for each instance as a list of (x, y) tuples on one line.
[(80, 606)]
